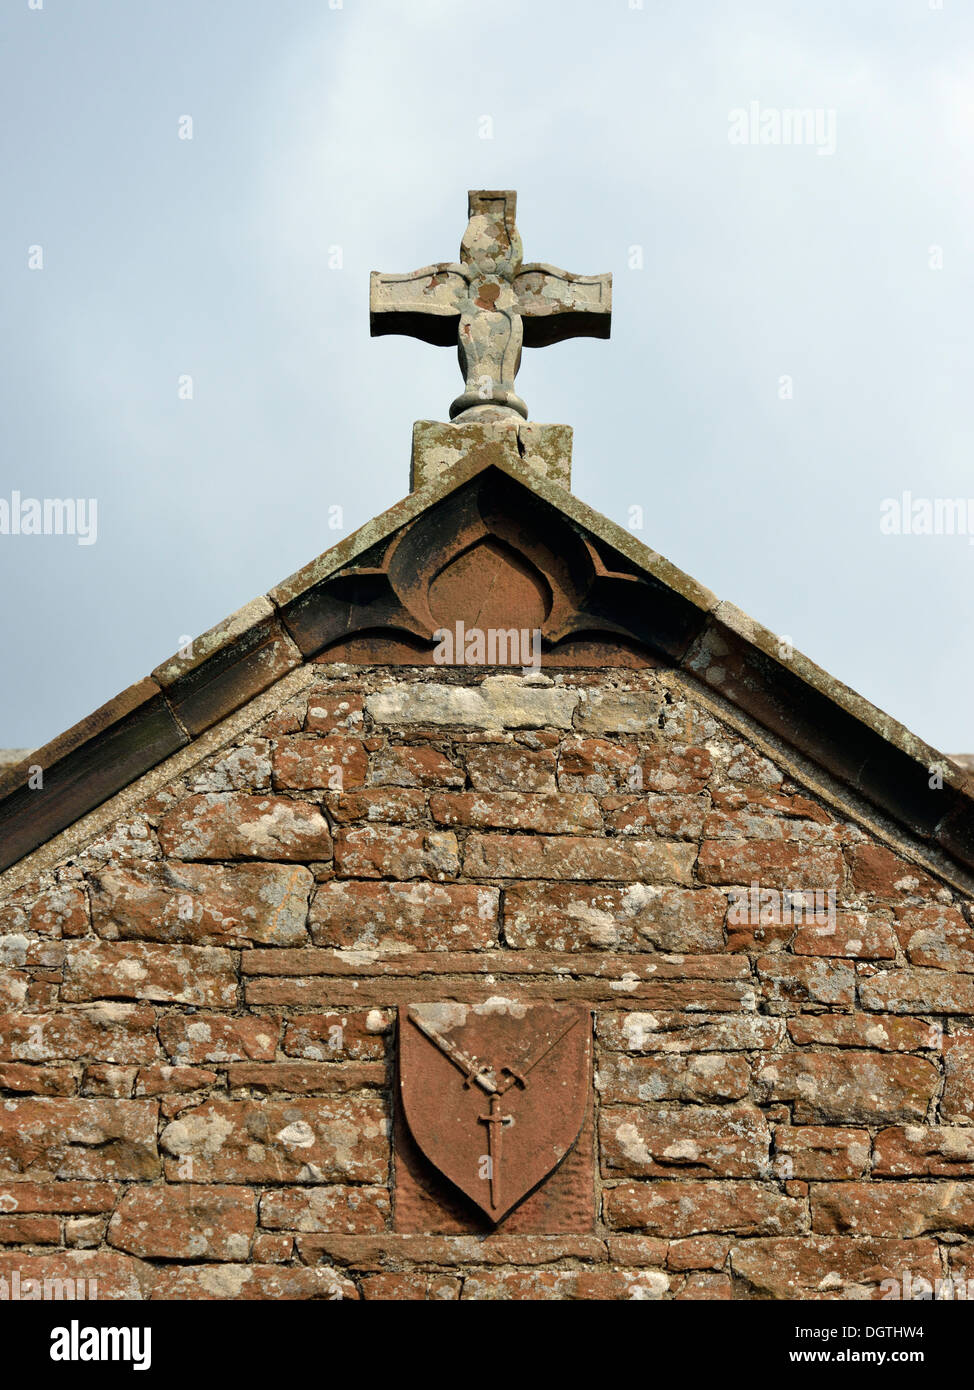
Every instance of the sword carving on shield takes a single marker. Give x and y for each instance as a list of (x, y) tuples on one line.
[(476, 1073)]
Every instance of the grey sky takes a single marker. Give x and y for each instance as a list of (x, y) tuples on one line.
[(361, 128)]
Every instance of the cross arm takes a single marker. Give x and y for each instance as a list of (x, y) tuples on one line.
[(557, 304), (423, 304)]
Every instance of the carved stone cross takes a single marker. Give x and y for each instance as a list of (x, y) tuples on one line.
[(490, 304)]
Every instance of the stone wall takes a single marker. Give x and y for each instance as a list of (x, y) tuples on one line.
[(198, 1005)]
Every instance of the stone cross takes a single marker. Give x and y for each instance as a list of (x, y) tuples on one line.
[(490, 304)]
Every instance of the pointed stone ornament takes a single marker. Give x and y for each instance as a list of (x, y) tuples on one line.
[(490, 304)]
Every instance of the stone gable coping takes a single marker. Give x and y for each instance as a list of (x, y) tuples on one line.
[(713, 641)]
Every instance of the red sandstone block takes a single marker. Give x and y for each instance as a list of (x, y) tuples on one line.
[(806, 980), (237, 825), (30, 1230), (937, 935), (352, 1035), (105, 1032), (880, 872), (817, 1152), (661, 1031), (924, 1150), (251, 1282), (849, 1087), (72, 1138), (729, 1141), (331, 1139), (204, 975), (601, 1283), (73, 1198), (394, 851), (39, 1081), (352, 1210), (671, 817), (882, 1032), (598, 765), (891, 1209), (338, 713), (830, 1266), (425, 916), (398, 766), (185, 1222), (915, 990), (104, 1275), (509, 767), (193, 1038), (852, 934), (569, 917), (557, 814), (712, 1077), (305, 1078), (390, 805), (303, 763), (685, 1208), (771, 864), (203, 904), (577, 857)]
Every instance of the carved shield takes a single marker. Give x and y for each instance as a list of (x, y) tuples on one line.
[(495, 1094)]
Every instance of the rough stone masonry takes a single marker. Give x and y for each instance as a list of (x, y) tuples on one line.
[(196, 1042), (743, 892)]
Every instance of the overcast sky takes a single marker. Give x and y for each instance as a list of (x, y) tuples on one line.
[(795, 349)]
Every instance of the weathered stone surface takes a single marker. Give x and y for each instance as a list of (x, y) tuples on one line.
[(192, 1038), (556, 814), (712, 1077), (28, 1079), (915, 990), (328, 714), (661, 1031), (105, 1032), (204, 975), (675, 1209), (770, 863), (251, 1282), (604, 1284), (203, 904), (729, 1142), (891, 1209), (305, 1078), (71, 1138), (813, 1151), (105, 1275), (671, 817), (240, 826), (499, 702), (307, 763), (576, 856), (879, 872), (884, 1032), (337, 1037), (830, 1266), (957, 1105), (924, 1151), (387, 805), (393, 851), (74, 1198), (563, 917), (273, 1141), (618, 711), (352, 1210), (849, 1087), (500, 768), (395, 917), (853, 934), (789, 980), (399, 766), (185, 1222)]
